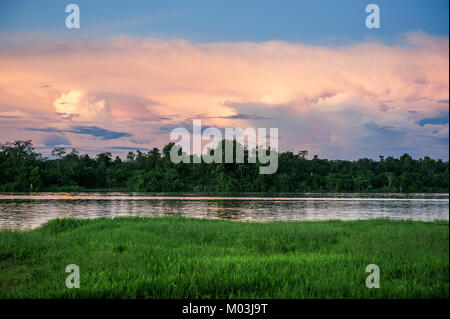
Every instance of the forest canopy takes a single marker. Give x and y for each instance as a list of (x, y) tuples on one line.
[(22, 169)]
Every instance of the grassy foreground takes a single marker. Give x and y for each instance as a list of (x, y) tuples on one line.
[(174, 257)]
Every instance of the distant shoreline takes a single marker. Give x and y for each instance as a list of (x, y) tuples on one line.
[(219, 193)]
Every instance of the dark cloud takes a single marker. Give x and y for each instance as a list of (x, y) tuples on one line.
[(98, 132), (438, 120), (56, 140), (167, 128), (395, 141), (382, 136), (87, 130)]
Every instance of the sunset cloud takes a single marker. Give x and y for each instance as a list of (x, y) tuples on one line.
[(77, 103), (333, 101)]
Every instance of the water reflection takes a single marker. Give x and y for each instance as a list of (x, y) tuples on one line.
[(25, 211)]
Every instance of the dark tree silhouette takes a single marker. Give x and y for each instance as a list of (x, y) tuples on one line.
[(23, 169)]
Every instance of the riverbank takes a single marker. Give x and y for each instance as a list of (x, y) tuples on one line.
[(174, 257)]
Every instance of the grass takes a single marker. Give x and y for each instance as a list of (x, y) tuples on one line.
[(175, 257)]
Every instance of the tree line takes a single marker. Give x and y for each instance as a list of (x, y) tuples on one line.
[(22, 169)]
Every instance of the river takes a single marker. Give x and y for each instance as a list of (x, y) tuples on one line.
[(29, 210)]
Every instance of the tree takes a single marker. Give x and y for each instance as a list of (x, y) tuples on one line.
[(390, 178), (302, 154), (22, 169), (59, 152)]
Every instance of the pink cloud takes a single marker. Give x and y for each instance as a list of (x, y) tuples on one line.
[(138, 84)]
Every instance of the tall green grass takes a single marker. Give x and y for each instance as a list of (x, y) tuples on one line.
[(196, 258)]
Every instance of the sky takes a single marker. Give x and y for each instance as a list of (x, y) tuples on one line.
[(135, 70)]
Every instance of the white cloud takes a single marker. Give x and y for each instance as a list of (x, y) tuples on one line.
[(85, 106)]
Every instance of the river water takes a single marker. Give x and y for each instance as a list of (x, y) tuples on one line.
[(30, 210)]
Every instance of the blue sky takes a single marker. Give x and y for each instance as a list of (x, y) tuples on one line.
[(316, 22)]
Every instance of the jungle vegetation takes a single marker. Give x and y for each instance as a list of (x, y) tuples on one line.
[(22, 169)]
